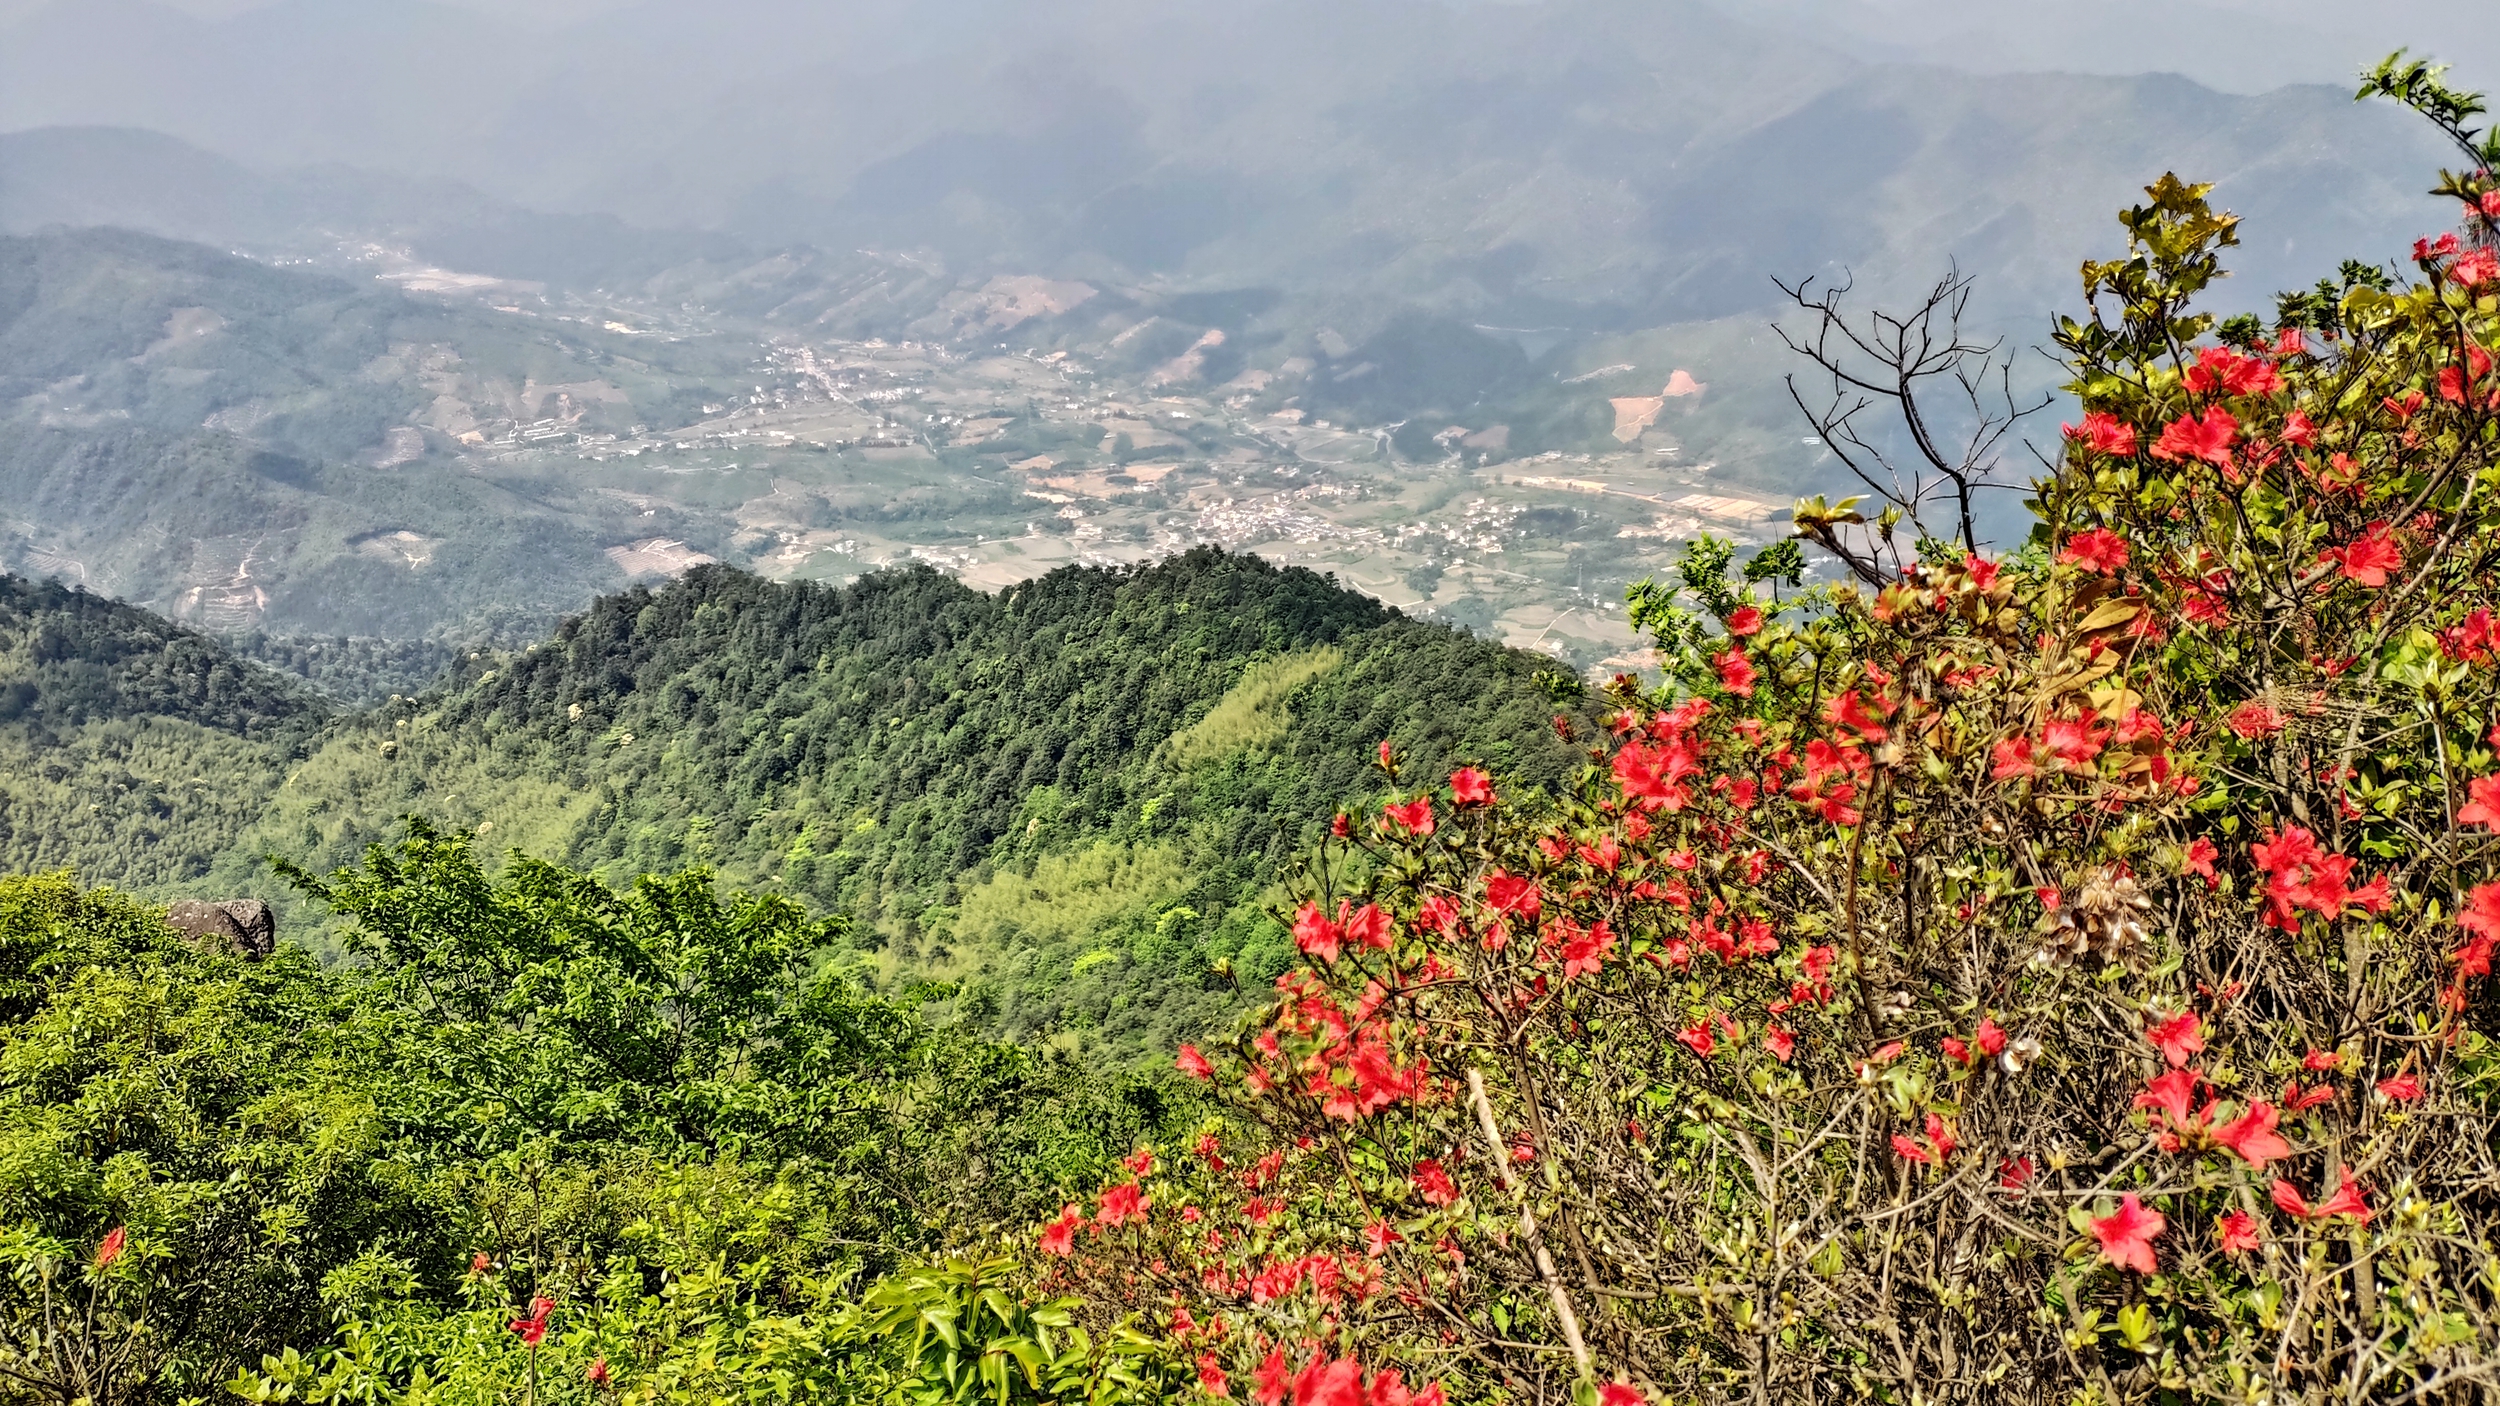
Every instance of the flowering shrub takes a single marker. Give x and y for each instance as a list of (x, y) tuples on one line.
[(2061, 974)]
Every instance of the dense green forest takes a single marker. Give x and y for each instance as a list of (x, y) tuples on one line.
[(1073, 797), (713, 959), (564, 1090)]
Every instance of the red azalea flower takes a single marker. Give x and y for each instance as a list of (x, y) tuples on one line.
[(1470, 787), (2201, 855), (2191, 437), (2172, 1094), (2099, 550), (2482, 806), (1274, 1379), (2127, 1235), (1736, 673), (1193, 1064), (2240, 1233), (1059, 1237), (1314, 935), (111, 1247), (1745, 620), (2177, 1038), (2403, 1088), (1434, 1184), (2253, 1137), (1125, 1202), (533, 1329), (2347, 1201), (1211, 1378), (2103, 433), (1414, 817), (2369, 558), (1367, 926), (2253, 719), (598, 1373), (1509, 893)]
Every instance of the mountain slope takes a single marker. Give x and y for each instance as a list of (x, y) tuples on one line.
[(129, 746), (1146, 750), (240, 445), (1077, 794)]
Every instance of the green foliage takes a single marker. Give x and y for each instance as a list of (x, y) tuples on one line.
[(889, 748), (214, 1108), (670, 1111), (67, 658)]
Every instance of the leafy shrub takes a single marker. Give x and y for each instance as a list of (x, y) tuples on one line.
[(2060, 975)]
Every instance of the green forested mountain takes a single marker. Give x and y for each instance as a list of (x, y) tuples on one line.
[(1074, 795), (130, 747)]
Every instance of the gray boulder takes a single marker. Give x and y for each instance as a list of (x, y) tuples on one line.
[(245, 926)]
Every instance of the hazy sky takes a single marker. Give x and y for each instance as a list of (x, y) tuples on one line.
[(2238, 45)]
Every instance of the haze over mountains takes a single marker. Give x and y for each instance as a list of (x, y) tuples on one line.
[(1589, 162), (1324, 274)]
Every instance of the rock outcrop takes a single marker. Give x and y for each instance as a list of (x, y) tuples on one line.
[(247, 926)]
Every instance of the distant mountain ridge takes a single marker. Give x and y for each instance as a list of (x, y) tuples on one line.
[(1590, 164)]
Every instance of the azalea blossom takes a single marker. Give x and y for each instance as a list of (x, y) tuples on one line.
[(2127, 1235), (2207, 438), (533, 1329), (2254, 719), (1059, 1236), (1470, 787), (1193, 1064), (1510, 893), (2369, 558), (2347, 1201), (110, 1249), (2179, 1038), (1744, 620), (2252, 1136), (1434, 1184), (1122, 1203), (2482, 806), (2099, 550), (1314, 935), (2102, 433), (1414, 817), (1736, 673), (1274, 1378), (2240, 1233)]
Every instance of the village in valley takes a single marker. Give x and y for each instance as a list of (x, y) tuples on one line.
[(995, 454)]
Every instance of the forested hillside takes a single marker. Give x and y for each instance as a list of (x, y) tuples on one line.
[(1074, 795), (1076, 791), (133, 749)]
